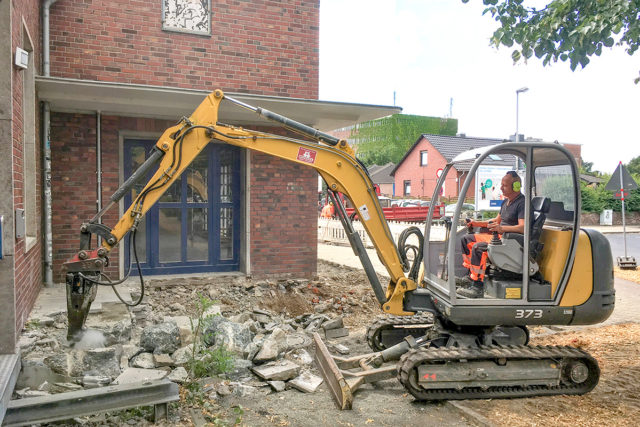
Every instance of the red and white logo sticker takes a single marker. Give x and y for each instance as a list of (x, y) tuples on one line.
[(306, 155)]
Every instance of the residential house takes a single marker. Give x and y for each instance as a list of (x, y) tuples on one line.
[(416, 174), (381, 176)]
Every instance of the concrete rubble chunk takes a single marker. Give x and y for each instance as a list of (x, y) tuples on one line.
[(223, 332), (182, 355), (336, 333), (162, 360), (272, 346), (178, 375), (143, 360), (306, 382), (277, 386), (282, 370), (336, 323), (64, 387), (342, 349), (184, 324), (301, 357), (95, 381), (161, 338), (133, 375), (102, 361)]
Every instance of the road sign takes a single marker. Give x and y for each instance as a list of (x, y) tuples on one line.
[(621, 178), (439, 173)]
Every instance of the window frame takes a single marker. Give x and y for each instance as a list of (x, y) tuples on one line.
[(424, 157), (406, 185)]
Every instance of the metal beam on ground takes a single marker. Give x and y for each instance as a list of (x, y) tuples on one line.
[(73, 404)]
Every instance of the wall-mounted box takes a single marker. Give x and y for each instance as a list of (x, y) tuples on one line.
[(20, 224), (22, 58)]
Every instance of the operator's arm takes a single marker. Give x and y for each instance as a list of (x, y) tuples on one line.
[(501, 229), (485, 224)]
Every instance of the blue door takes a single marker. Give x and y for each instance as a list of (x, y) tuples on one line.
[(195, 226)]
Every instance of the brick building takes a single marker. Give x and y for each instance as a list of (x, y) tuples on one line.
[(415, 176), (104, 83)]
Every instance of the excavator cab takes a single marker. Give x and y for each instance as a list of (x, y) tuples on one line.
[(537, 277)]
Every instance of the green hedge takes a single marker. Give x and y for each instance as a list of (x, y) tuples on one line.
[(598, 199)]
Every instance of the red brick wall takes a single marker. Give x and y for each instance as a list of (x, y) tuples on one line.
[(283, 217), (73, 176), (259, 46), (28, 265), (283, 211), (423, 178)]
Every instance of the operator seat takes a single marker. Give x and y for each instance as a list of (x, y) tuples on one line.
[(508, 256)]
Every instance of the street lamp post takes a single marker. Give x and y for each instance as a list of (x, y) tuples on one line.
[(518, 92)]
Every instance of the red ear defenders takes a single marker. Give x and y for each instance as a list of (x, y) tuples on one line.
[(517, 185)]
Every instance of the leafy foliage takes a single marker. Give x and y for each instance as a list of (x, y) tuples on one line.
[(634, 166), (597, 199), (573, 30), (388, 139)]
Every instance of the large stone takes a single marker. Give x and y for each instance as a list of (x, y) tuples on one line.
[(282, 370), (272, 346), (94, 381), (161, 338), (223, 332), (134, 375)]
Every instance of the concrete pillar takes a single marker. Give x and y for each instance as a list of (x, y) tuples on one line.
[(7, 267)]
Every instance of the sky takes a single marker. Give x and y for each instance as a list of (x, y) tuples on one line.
[(431, 51)]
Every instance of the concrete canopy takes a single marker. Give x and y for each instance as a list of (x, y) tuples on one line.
[(86, 96)]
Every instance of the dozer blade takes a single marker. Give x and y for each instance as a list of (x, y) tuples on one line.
[(340, 389)]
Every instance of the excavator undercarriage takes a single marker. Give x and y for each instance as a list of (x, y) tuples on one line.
[(447, 365)]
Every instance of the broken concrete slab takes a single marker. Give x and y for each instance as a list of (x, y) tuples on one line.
[(272, 346), (336, 333), (182, 355), (134, 375), (336, 323), (306, 382), (277, 371)]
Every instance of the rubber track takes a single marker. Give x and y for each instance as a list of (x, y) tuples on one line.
[(388, 321), (415, 357)]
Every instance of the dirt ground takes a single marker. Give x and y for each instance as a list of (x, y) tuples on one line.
[(614, 401), (631, 275), (345, 291)]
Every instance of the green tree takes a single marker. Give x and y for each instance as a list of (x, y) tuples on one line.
[(573, 30), (634, 166), (388, 139)]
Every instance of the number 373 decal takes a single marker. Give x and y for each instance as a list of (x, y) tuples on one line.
[(528, 314)]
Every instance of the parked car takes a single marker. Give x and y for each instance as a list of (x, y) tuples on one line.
[(468, 210)]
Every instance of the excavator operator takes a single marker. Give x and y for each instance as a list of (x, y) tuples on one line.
[(474, 246)]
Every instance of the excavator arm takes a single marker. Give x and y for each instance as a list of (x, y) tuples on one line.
[(179, 145)]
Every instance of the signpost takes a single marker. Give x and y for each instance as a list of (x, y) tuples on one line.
[(622, 182)]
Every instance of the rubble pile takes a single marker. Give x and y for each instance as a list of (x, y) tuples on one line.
[(271, 351)]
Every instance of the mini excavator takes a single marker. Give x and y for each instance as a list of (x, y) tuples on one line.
[(439, 345)]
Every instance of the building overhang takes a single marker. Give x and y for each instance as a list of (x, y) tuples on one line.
[(120, 99)]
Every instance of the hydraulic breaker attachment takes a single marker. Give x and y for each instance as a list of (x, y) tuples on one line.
[(344, 376), (80, 295)]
